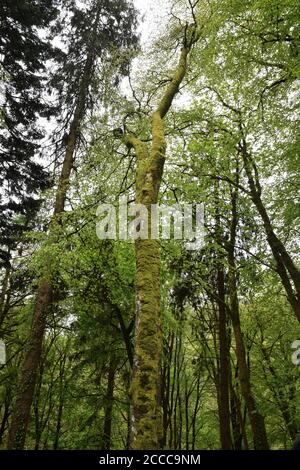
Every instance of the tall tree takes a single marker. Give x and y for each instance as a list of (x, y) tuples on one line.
[(96, 30), (286, 268), (224, 411), (256, 419), (145, 399), (23, 56)]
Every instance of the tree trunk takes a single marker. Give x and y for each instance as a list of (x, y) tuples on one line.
[(235, 413), (256, 419), (62, 392), (224, 410), (166, 387), (238, 425), (20, 418), (145, 386), (6, 413), (187, 421), (195, 412), (106, 440), (283, 402), (223, 369), (3, 295), (44, 297), (285, 266)]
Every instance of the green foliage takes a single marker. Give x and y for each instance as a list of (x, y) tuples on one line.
[(243, 83)]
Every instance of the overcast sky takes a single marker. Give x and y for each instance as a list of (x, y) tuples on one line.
[(153, 13)]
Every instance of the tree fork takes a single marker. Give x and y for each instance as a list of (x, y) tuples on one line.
[(146, 427)]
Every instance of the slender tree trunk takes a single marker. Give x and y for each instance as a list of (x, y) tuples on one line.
[(128, 411), (256, 419), (62, 392), (187, 420), (3, 295), (44, 297), (109, 398), (195, 412), (179, 442), (285, 266), (236, 417), (126, 331), (58, 424), (282, 400), (6, 413), (223, 369), (172, 396), (166, 387), (145, 386), (224, 410), (243, 419)]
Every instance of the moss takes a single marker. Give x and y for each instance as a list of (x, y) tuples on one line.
[(148, 346), (145, 386)]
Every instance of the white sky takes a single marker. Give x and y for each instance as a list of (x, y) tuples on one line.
[(153, 12)]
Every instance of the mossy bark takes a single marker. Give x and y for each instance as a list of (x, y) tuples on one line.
[(146, 427), (145, 413), (148, 348)]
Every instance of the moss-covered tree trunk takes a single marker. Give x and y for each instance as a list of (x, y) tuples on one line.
[(146, 428)]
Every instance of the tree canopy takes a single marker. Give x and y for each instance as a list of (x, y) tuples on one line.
[(115, 338)]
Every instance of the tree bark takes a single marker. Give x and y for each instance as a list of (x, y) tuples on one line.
[(256, 419), (44, 297), (61, 400), (106, 440), (285, 266), (283, 402), (146, 429), (224, 410), (223, 368), (6, 413), (235, 413), (166, 387), (3, 295)]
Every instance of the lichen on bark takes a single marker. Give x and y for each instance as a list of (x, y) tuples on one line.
[(146, 426)]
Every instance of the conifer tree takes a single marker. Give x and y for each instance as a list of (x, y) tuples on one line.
[(23, 56), (96, 31)]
